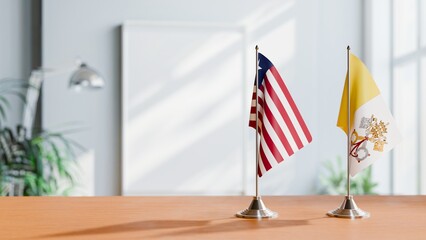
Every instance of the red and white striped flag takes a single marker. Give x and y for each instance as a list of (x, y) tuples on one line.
[(280, 125)]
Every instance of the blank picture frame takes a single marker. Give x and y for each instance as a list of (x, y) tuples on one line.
[(184, 108)]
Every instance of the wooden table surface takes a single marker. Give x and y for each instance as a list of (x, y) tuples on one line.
[(300, 217)]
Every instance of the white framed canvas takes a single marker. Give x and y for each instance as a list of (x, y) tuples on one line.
[(184, 109)]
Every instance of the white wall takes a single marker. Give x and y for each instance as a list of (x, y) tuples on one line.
[(306, 40), (15, 47), (400, 75), (378, 57)]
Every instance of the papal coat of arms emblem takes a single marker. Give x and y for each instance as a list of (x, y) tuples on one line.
[(375, 133)]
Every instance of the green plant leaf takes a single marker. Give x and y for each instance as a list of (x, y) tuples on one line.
[(47, 159)]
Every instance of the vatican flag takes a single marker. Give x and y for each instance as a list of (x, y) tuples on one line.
[(372, 127)]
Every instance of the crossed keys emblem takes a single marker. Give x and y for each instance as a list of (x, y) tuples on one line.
[(375, 132), (359, 146)]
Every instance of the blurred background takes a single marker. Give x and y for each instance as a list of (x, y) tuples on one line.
[(172, 115)]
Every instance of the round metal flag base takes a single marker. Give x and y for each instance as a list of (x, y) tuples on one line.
[(257, 209), (348, 209)]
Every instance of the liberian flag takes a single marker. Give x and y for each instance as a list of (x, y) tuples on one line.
[(281, 127), (373, 129)]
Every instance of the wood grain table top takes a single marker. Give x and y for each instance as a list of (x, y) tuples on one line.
[(300, 217)]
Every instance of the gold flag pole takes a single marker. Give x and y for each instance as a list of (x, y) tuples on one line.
[(257, 208), (348, 209)]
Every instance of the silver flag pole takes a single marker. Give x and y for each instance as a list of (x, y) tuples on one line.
[(257, 208), (348, 130), (348, 209), (257, 122)]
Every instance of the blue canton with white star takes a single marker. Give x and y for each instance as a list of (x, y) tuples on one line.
[(263, 66)]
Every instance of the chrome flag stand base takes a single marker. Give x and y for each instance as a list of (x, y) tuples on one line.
[(348, 209), (257, 209)]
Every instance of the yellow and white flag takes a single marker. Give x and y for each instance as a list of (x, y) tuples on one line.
[(373, 129)]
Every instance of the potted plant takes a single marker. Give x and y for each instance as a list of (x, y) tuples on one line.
[(40, 164), (334, 180)]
